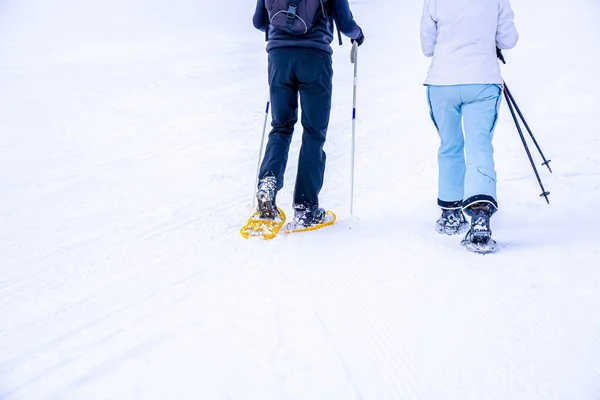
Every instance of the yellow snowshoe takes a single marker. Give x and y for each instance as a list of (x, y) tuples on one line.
[(297, 225), (265, 228)]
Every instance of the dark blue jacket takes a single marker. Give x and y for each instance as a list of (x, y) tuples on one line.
[(321, 34)]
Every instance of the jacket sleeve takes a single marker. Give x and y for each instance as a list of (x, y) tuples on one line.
[(345, 20), (506, 33), (428, 28), (260, 17)]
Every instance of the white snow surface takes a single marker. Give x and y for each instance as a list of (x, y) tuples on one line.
[(129, 135)]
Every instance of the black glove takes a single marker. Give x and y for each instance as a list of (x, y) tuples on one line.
[(359, 40), (500, 55)]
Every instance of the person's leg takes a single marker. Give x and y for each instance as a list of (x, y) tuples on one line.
[(283, 90), (445, 110), (480, 113), (314, 72)]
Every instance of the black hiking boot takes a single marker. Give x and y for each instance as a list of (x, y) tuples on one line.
[(306, 216), (452, 222), (265, 196), (479, 238)]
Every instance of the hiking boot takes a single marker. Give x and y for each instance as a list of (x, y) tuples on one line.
[(308, 215), (265, 196), (480, 231), (452, 222), (479, 238)]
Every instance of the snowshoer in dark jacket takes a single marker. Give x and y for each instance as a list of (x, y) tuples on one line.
[(300, 64)]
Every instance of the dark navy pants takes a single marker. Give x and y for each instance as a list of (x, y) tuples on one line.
[(306, 72)]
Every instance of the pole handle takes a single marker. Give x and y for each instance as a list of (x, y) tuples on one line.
[(500, 55)]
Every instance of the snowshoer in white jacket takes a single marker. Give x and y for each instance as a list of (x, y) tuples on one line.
[(464, 87)]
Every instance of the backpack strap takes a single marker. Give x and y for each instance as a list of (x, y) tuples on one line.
[(267, 23), (291, 12), (325, 6), (337, 27)]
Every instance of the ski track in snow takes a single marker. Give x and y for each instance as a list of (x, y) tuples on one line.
[(128, 149)]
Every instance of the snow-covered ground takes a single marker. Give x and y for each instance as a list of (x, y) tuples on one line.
[(129, 133)]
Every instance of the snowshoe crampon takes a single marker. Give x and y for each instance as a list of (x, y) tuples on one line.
[(295, 227), (483, 244), (262, 227)]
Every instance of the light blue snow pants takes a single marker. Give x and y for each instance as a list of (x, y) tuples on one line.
[(465, 117)]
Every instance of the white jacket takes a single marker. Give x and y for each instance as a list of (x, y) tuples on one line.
[(462, 35)]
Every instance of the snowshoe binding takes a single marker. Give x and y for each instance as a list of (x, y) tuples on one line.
[(310, 218), (479, 238), (268, 219), (452, 222)]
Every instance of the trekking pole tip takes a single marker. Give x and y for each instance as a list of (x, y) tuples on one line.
[(547, 164), (545, 195)]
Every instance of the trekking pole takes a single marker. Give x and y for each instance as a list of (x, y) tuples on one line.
[(514, 115), (262, 143), (353, 60), (512, 105), (510, 96), (512, 99)]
